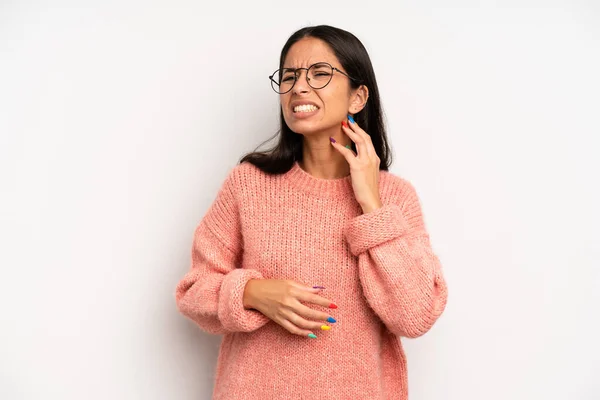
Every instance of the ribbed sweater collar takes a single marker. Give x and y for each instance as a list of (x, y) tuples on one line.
[(320, 187)]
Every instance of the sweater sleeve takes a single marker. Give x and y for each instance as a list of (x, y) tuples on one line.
[(211, 292), (400, 275)]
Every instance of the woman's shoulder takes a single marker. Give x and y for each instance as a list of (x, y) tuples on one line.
[(394, 180), (244, 177), (245, 171), (396, 186)]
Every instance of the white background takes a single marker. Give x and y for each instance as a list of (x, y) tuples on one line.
[(120, 119)]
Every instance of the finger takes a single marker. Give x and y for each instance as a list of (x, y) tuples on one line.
[(305, 324), (316, 299), (359, 140), (313, 315), (313, 289), (352, 124), (346, 152), (290, 327), (349, 147), (354, 127)]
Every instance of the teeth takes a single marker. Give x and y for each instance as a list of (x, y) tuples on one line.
[(305, 108)]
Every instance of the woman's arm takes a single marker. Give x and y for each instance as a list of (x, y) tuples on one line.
[(211, 293), (400, 275)]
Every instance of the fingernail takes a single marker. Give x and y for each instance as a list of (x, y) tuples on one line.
[(318, 287), (325, 327), (332, 305), (345, 123), (350, 119), (332, 140), (331, 319), (348, 147), (312, 336)]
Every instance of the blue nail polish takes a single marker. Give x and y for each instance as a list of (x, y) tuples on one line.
[(351, 119), (330, 319)]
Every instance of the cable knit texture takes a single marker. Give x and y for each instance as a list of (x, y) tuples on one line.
[(378, 267)]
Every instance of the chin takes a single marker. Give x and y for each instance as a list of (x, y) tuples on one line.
[(307, 128), (304, 130)]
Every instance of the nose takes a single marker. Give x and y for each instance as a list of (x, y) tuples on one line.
[(301, 85)]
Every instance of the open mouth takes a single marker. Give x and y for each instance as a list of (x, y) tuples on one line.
[(305, 108)]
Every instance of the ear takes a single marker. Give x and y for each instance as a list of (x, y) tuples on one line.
[(358, 99)]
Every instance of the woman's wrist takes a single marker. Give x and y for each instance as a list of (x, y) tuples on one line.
[(247, 300)]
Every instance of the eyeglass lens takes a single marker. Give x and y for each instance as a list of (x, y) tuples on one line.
[(318, 76)]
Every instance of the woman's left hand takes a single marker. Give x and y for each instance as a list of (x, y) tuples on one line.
[(364, 166)]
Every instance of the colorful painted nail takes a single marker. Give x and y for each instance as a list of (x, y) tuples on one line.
[(351, 119), (332, 305), (331, 319), (345, 123), (325, 327), (312, 336), (332, 140), (348, 147), (318, 287)]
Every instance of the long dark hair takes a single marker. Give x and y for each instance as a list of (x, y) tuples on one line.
[(355, 60)]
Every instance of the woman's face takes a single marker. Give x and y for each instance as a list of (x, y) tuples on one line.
[(333, 102)]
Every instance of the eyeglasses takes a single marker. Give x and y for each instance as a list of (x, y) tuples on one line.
[(317, 75)]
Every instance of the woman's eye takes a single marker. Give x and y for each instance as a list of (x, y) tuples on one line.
[(287, 78)]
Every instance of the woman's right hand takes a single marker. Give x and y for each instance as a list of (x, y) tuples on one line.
[(280, 301)]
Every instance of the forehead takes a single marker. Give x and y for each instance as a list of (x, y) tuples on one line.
[(308, 51)]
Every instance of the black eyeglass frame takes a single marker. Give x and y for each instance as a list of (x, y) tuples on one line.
[(273, 81)]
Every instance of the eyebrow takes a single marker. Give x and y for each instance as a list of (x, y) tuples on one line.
[(295, 68)]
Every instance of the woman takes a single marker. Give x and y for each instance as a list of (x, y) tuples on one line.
[(314, 260)]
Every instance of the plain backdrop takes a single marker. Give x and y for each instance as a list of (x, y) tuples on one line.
[(119, 121)]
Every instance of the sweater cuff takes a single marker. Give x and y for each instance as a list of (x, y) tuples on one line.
[(374, 228), (232, 314)]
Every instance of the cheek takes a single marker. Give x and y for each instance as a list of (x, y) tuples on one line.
[(284, 104), (336, 103)]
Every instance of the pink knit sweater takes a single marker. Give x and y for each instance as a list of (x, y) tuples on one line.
[(379, 268)]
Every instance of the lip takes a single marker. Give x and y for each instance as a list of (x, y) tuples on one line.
[(302, 115)]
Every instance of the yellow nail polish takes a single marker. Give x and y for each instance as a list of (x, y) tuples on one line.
[(325, 327)]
